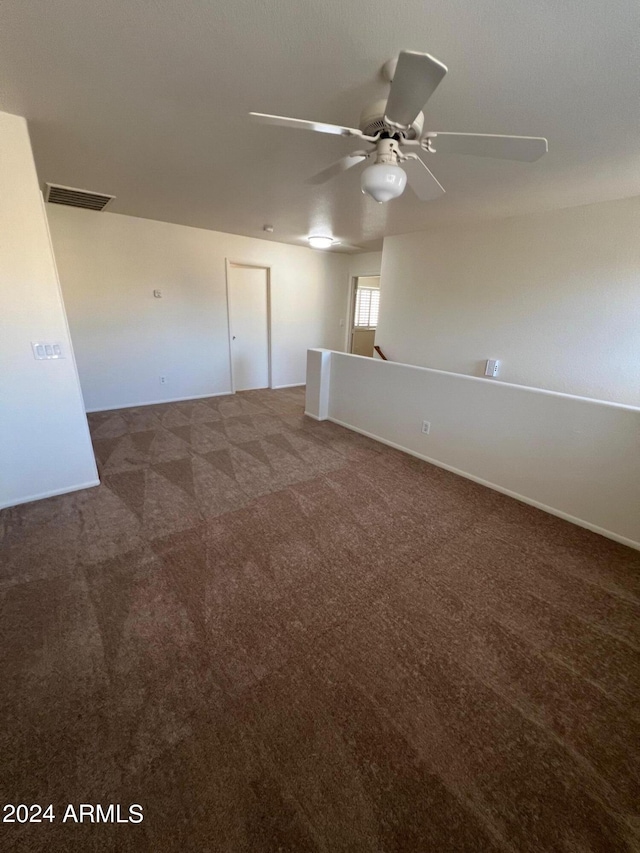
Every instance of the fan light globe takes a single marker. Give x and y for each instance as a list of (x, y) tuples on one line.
[(383, 181), (320, 242)]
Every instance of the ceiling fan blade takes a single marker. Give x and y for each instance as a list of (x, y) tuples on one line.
[(338, 167), (422, 180), (415, 79), (525, 148), (302, 124)]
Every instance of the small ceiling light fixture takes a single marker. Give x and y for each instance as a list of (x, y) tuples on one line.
[(317, 242)]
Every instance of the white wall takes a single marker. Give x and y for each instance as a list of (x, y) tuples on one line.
[(44, 440), (555, 297), (366, 263), (125, 339), (575, 457)]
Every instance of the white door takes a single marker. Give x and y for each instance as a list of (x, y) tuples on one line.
[(248, 294)]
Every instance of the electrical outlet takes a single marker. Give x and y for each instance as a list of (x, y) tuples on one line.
[(426, 427), (163, 380)]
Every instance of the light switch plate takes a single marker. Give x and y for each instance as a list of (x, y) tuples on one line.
[(45, 350)]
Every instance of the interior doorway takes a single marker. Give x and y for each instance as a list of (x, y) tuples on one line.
[(248, 301), (364, 313)]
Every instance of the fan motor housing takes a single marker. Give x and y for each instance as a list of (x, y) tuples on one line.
[(372, 122)]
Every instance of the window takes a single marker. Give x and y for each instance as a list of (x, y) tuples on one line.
[(367, 306)]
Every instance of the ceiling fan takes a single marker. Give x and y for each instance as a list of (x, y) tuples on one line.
[(396, 124)]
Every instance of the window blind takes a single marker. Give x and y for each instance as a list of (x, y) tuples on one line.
[(367, 307)]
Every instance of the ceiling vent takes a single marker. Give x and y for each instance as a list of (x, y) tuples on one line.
[(74, 197)]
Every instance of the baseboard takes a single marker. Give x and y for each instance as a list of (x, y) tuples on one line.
[(292, 385), (52, 494), (316, 418), (160, 402), (594, 528)]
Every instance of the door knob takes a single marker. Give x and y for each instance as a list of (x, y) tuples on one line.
[(233, 338)]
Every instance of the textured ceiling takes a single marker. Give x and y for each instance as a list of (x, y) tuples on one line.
[(149, 101)]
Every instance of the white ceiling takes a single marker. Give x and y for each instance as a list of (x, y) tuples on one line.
[(148, 100)]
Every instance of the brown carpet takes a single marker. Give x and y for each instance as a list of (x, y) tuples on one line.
[(277, 635)]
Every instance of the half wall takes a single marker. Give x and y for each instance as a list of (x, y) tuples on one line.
[(574, 457)]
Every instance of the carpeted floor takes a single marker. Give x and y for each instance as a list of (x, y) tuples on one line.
[(277, 635)]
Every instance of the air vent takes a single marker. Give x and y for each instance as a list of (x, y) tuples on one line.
[(77, 198)]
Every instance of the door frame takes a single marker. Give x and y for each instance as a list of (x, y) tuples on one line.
[(229, 263), (353, 289), (353, 292)]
